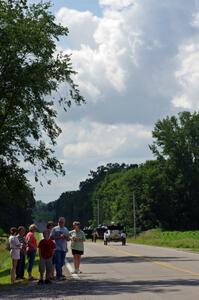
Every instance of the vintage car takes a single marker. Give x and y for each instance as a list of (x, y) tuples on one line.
[(115, 233), (88, 233), (98, 232)]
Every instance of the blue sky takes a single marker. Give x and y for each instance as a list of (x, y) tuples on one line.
[(137, 62), (81, 5)]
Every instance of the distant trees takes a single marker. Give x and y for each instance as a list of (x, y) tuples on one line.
[(42, 213), (166, 189)]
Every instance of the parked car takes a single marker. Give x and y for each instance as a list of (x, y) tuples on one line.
[(115, 233)]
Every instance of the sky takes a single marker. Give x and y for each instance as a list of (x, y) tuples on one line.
[(137, 62)]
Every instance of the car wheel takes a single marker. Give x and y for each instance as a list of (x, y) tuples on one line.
[(123, 242)]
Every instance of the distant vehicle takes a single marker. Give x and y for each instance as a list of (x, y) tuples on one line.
[(88, 233), (115, 233), (98, 232)]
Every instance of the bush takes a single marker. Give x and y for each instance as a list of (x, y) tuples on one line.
[(1, 232)]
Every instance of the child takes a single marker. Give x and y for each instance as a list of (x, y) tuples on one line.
[(46, 250)]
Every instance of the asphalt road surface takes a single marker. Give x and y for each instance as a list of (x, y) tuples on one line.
[(117, 272)]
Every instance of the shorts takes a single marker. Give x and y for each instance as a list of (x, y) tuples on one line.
[(77, 252), (45, 264), (15, 254)]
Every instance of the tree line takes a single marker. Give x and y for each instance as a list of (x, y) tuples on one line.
[(166, 188)]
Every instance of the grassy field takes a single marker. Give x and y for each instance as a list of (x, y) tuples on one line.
[(175, 239), (5, 264)]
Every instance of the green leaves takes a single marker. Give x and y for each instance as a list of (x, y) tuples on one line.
[(176, 147), (30, 72)]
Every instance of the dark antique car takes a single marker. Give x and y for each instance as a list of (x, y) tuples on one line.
[(98, 232), (88, 233)]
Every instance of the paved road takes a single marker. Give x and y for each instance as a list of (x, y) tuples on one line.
[(140, 272), (123, 272)]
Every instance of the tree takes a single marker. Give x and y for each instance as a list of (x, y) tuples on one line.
[(31, 72), (41, 213), (176, 147), (16, 195)]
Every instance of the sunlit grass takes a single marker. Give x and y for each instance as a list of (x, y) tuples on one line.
[(5, 265), (175, 239)]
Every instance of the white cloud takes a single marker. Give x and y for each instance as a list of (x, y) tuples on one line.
[(81, 25), (181, 102), (116, 4), (136, 63), (102, 141), (127, 67), (188, 76), (85, 145)]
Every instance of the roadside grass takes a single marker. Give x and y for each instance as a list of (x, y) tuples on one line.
[(175, 239), (5, 265)]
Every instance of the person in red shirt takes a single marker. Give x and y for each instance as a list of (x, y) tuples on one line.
[(46, 250)]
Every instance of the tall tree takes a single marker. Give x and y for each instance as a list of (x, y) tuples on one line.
[(31, 72), (176, 146)]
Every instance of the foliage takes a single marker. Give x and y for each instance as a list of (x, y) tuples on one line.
[(41, 213), (31, 73), (1, 232), (16, 198), (176, 147), (81, 205)]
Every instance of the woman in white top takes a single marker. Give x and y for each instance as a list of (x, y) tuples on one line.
[(14, 252)]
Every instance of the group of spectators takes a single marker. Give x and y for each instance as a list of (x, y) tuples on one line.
[(52, 250)]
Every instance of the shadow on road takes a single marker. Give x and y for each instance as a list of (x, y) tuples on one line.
[(95, 287), (134, 259)]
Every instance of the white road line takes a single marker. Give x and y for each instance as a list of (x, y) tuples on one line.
[(68, 265)]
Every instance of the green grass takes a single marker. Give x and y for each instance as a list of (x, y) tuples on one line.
[(175, 239), (5, 264)]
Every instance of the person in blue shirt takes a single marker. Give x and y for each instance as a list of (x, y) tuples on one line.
[(60, 235)]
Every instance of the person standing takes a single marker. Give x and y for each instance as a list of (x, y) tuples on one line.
[(31, 249), (60, 235), (49, 227), (46, 250), (14, 252), (21, 262), (77, 245)]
